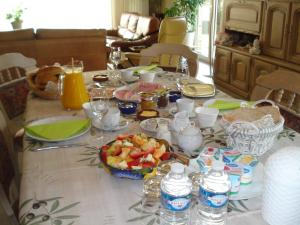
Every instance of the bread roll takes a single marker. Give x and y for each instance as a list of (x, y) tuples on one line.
[(46, 74), (253, 114)]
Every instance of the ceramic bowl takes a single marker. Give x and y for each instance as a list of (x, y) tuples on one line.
[(127, 108), (174, 95)]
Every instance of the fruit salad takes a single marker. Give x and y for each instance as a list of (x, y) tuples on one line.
[(134, 152)]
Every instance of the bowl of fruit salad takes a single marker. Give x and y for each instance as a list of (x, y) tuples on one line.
[(133, 156)]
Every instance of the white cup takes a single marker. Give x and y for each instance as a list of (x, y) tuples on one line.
[(147, 76), (206, 116), (112, 118), (127, 75), (185, 104)]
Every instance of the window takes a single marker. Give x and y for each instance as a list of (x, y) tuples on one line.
[(60, 13)]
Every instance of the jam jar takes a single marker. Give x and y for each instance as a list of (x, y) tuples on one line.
[(149, 100)]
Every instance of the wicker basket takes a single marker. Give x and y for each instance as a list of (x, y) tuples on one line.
[(39, 92), (251, 138)]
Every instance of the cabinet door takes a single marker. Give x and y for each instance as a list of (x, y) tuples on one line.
[(260, 68), (239, 75), (222, 64), (294, 37), (276, 28)]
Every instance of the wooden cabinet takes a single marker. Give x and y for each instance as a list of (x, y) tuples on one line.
[(259, 68), (243, 16), (240, 69), (293, 54), (276, 29), (222, 64)]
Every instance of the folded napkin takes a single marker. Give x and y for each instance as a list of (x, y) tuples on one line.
[(59, 130), (147, 68), (226, 104)]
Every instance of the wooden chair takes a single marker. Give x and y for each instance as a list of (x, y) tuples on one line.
[(167, 55), (282, 87), (9, 175), (14, 88)]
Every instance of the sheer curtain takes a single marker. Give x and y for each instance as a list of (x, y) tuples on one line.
[(119, 6)]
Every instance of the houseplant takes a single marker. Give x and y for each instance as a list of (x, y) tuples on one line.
[(186, 8), (16, 17)]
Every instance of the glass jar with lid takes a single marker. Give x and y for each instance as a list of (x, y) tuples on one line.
[(148, 100)]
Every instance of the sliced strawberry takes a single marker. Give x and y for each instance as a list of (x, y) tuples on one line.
[(104, 147), (136, 153), (149, 151), (148, 164), (135, 162), (122, 137), (103, 156), (166, 156)]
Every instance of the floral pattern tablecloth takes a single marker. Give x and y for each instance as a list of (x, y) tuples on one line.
[(69, 185)]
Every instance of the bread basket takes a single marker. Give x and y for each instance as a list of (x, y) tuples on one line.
[(41, 93), (254, 138)]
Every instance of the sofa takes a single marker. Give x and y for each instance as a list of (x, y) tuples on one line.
[(48, 46), (134, 30)]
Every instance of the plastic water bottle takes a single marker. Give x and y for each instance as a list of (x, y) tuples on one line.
[(213, 196), (175, 197)]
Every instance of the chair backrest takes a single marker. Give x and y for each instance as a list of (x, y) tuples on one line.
[(172, 30), (282, 87), (158, 53), (8, 174), (13, 85)]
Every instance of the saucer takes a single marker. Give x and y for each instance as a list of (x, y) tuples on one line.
[(132, 79), (174, 110), (122, 124)]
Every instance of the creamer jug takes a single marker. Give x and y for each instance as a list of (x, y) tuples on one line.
[(73, 90)]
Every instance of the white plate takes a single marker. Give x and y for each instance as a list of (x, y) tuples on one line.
[(157, 70), (52, 120), (246, 191), (132, 79), (123, 124), (174, 110), (152, 123)]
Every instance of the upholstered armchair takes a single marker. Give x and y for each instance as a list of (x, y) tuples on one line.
[(134, 30)]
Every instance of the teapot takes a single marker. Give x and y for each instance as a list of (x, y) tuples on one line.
[(189, 139)]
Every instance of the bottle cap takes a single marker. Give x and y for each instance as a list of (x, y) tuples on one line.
[(218, 164), (177, 168)]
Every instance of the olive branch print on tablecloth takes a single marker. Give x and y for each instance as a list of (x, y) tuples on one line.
[(46, 211), (91, 156)]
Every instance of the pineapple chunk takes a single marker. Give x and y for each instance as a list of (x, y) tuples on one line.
[(124, 153), (123, 165), (159, 151)]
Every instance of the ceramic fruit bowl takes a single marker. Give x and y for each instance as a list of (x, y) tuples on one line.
[(133, 156)]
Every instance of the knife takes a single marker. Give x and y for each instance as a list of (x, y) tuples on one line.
[(56, 147)]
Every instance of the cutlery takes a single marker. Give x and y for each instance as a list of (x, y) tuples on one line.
[(57, 146)]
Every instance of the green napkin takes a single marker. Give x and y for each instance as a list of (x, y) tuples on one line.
[(225, 105), (58, 130), (147, 68)]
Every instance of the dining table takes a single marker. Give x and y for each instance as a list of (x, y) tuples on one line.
[(70, 185)]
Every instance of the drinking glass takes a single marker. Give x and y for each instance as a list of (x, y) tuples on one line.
[(115, 56), (183, 70)]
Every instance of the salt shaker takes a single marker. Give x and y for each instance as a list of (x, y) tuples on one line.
[(281, 193)]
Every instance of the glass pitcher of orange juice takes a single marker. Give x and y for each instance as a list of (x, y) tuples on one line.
[(73, 91)]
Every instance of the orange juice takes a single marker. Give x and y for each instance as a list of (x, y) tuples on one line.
[(74, 91)]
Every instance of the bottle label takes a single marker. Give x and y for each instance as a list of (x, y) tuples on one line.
[(173, 203), (211, 199)]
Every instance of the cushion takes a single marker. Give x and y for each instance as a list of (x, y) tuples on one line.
[(133, 20), (147, 25), (13, 97), (23, 34), (69, 33), (124, 20)]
